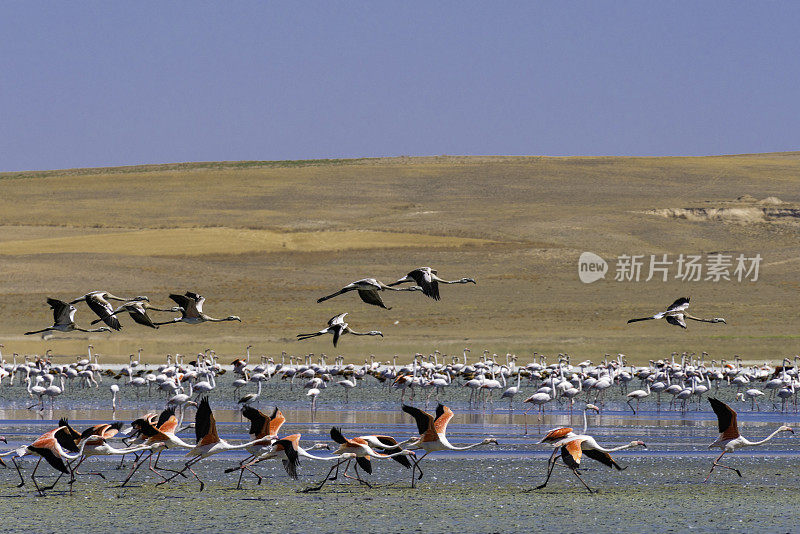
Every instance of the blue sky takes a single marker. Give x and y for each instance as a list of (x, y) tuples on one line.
[(120, 83)]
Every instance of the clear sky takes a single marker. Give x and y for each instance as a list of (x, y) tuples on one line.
[(87, 84)]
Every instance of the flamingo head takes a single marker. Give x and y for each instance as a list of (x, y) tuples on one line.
[(718, 320), (487, 441), (785, 428), (593, 407), (638, 444)]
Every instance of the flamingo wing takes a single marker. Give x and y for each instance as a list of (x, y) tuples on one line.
[(443, 416), (364, 463), (258, 419), (681, 304), (370, 296), (337, 319), (61, 311), (424, 420), (337, 436), (205, 427), (292, 460), (602, 457), (337, 331), (103, 310), (677, 320), (726, 419), (275, 422), (51, 457), (65, 439), (555, 435), (571, 453)]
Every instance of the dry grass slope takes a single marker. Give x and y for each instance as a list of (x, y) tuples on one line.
[(264, 239)]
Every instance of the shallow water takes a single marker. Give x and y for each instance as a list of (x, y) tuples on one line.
[(480, 490)]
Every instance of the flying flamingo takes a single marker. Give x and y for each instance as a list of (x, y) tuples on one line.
[(192, 310), (368, 289), (289, 451), (573, 447), (360, 449), (729, 439), (433, 435), (338, 328), (427, 279), (137, 309), (208, 441), (64, 319), (676, 314), (53, 447), (261, 426), (98, 303), (157, 439)]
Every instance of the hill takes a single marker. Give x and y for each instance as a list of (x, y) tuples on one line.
[(263, 240)]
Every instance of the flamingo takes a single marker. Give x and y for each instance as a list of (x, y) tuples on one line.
[(64, 319), (288, 450), (313, 393), (53, 447), (137, 308), (208, 441), (751, 394), (348, 385), (362, 451), (573, 447), (540, 398), (338, 328), (427, 279), (729, 438), (250, 398), (638, 394), (676, 314), (511, 392), (368, 289), (433, 435), (192, 310), (37, 390), (157, 439), (114, 392), (98, 303)]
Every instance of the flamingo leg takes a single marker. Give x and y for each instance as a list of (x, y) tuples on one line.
[(156, 466), (188, 465), (357, 477), (551, 463), (317, 488), (75, 471), (33, 477), (19, 472), (717, 464), (418, 468), (584, 483), (136, 465)]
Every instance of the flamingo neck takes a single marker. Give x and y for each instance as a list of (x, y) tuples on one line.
[(753, 443)]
